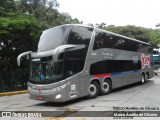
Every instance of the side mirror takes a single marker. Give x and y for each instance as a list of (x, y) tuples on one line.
[(54, 53), (21, 55)]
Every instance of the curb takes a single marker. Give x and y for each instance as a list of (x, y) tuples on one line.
[(13, 93)]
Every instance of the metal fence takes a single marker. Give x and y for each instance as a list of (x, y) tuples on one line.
[(13, 80)]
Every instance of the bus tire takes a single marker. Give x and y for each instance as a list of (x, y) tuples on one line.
[(106, 87), (146, 78), (93, 90), (143, 78)]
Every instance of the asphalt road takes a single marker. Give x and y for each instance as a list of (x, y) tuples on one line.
[(146, 96)]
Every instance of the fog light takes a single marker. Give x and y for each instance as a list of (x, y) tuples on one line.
[(58, 96)]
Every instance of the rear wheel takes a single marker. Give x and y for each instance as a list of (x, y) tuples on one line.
[(106, 87), (146, 78), (143, 79), (93, 90)]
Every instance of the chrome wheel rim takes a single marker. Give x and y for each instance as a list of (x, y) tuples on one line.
[(92, 90), (142, 79), (105, 87)]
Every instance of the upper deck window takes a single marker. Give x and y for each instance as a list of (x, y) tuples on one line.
[(79, 36), (106, 40)]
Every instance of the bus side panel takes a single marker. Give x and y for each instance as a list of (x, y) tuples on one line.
[(116, 81), (132, 75), (72, 90), (82, 84)]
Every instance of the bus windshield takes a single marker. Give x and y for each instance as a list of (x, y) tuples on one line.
[(52, 38), (43, 69)]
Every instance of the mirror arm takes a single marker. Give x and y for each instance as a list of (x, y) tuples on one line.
[(21, 55)]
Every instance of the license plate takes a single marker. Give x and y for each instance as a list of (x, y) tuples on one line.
[(40, 98)]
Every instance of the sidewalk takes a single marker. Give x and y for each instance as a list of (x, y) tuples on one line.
[(13, 93)]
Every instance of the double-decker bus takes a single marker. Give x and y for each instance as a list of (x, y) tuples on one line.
[(73, 61)]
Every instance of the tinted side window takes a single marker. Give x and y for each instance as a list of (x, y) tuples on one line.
[(79, 36), (102, 40), (73, 66), (145, 49), (106, 40), (110, 66), (75, 59)]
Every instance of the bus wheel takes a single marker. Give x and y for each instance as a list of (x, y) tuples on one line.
[(146, 78), (93, 90), (106, 87), (143, 79)]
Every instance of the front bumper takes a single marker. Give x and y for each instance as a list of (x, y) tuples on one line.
[(55, 94)]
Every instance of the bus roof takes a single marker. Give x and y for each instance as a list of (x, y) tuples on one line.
[(91, 26), (81, 25)]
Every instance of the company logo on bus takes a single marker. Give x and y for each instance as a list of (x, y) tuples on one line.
[(145, 59)]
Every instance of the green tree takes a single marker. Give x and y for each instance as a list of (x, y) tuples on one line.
[(18, 34), (44, 10), (155, 37), (65, 18), (7, 5)]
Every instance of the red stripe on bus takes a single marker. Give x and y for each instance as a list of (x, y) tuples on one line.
[(102, 75)]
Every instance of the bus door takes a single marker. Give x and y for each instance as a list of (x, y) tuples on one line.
[(73, 67)]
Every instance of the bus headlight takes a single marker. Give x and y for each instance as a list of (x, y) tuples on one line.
[(58, 96)]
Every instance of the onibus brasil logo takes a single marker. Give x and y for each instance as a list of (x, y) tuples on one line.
[(145, 59)]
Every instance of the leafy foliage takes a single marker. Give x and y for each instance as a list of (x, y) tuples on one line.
[(18, 34), (155, 37), (7, 5), (45, 12)]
